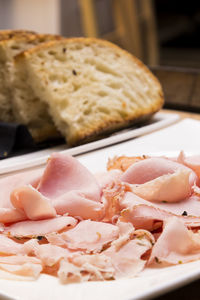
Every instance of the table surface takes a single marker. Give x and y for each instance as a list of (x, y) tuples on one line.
[(183, 114), (192, 290)]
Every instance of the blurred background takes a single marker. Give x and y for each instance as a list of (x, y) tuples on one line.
[(164, 34)]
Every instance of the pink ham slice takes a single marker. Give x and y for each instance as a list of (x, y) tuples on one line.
[(64, 173), (8, 213), (11, 215), (151, 168), (39, 228), (8, 246), (176, 244), (77, 205), (148, 217), (21, 265), (105, 179), (170, 188), (51, 254), (9, 183), (189, 206), (90, 235), (34, 205), (85, 267), (193, 162)]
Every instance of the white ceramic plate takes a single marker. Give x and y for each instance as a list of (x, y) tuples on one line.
[(160, 120), (151, 282)]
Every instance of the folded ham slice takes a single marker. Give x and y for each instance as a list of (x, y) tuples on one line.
[(9, 214), (150, 218), (193, 162), (76, 204), (34, 205), (189, 206), (64, 173), (176, 244), (168, 188), (151, 168)]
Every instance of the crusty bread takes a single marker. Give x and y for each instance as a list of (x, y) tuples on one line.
[(10, 33), (14, 88), (91, 86), (5, 105)]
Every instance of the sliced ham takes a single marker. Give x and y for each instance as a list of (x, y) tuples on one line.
[(193, 162), (33, 203), (9, 183), (39, 228), (105, 179), (126, 260), (189, 206), (151, 168), (63, 174), (11, 215), (176, 244), (90, 235), (8, 246), (170, 187), (21, 265), (51, 254), (85, 268), (8, 214), (150, 218), (77, 205)]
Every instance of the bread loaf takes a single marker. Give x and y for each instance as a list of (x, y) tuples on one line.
[(5, 104), (14, 88), (91, 86)]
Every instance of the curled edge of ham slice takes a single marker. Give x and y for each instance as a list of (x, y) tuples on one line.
[(11, 215), (192, 162), (39, 228), (151, 168), (32, 202), (175, 245), (170, 187)]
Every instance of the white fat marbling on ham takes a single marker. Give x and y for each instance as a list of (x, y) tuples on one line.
[(170, 188), (151, 168), (90, 235), (176, 244), (63, 174), (39, 228), (32, 202)]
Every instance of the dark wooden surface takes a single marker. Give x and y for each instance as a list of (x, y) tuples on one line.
[(181, 87)]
